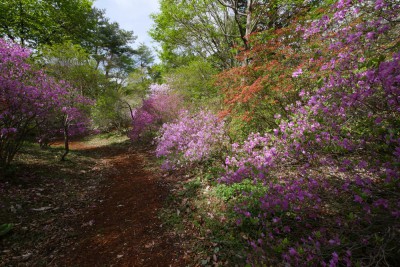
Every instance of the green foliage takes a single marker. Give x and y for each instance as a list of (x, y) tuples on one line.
[(238, 129), (76, 42), (215, 30), (110, 46), (32, 22), (198, 210), (5, 228), (70, 62), (138, 81), (137, 85), (191, 188), (155, 73), (188, 29), (111, 111), (143, 56), (194, 81), (230, 192)]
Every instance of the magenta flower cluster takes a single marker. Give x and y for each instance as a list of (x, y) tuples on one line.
[(191, 138), (160, 106), (31, 102)]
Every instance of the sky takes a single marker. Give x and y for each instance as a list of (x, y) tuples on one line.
[(132, 15)]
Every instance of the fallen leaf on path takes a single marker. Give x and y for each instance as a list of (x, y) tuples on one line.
[(90, 223), (149, 245), (42, 209)]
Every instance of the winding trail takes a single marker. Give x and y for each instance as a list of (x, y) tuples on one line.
[(122, 227)]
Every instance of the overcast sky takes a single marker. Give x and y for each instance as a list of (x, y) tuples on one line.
[(132, 15)]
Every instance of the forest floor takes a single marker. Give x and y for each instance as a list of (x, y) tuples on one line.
[(100, 208)]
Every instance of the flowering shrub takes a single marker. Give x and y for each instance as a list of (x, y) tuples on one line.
[(69, 117), (161, 105), (332, 167), (264, 83), (31, 100), (190, 139)]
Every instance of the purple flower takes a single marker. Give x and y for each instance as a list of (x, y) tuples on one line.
[(371, 35), (191, 138), (297, 73), (358, 199), (33, 103), (293, 252)]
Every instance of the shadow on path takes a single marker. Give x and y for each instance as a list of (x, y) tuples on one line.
[(122, 227)]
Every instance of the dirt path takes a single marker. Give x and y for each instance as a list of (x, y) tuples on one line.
[(122, 227)]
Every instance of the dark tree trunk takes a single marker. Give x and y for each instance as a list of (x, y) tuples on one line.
[(130, 110), (66, 142)]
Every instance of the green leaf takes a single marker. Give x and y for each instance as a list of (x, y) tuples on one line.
[(5, 228)]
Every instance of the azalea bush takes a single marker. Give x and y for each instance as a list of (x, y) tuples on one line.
[(263, 84), (191, 138), (68, 120), (32, 103), (160, 106), (332, 166)]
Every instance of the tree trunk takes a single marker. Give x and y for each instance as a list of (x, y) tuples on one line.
[(130, 110), (249, 19), (21, 24), (66, 142)]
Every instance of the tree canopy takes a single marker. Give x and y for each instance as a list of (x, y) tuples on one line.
[(32, 22)]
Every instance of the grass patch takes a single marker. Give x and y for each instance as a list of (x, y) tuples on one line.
[(106, 139)]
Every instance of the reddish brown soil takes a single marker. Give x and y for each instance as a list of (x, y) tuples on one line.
[(122, 228)]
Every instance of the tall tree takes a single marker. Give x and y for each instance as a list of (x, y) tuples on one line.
[(256, 15), (111, 48), (70, 62), (143, 56), (33, 22), (194, 28), (143, 59), (215, 30)]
